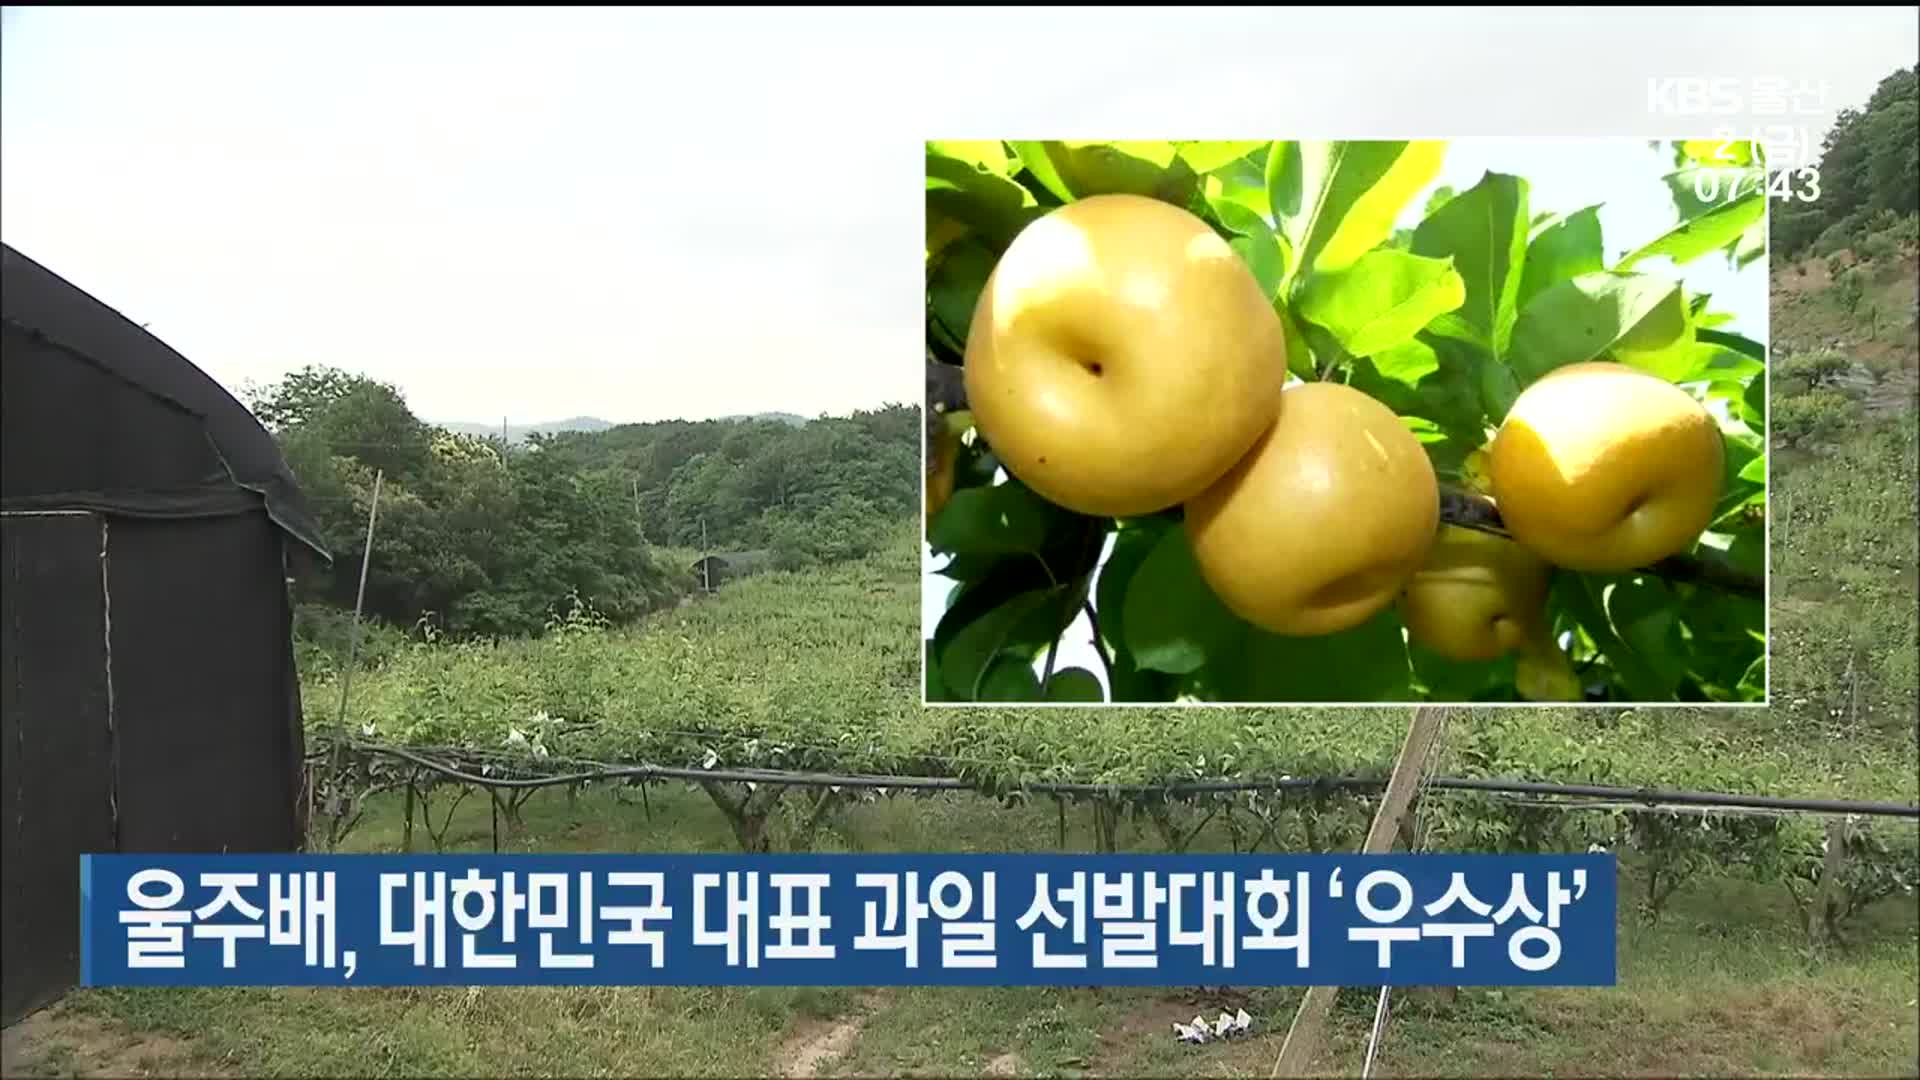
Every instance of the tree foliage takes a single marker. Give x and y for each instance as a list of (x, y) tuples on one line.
[(475, 536), (1869, 173), (1446, 323)]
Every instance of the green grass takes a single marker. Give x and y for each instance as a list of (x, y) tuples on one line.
[(1722, 984)]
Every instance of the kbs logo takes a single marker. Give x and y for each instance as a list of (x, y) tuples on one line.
[(1692, 95)]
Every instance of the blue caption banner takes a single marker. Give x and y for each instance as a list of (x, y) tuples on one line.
[(848, 920)]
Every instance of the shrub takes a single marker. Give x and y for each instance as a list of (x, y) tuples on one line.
[(1814, 369), (1905, 231), (1877, 247), (1813, 416), (323, 635), (1833, 239), (1849, 289)]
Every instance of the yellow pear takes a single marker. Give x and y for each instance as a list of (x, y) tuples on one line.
[(1122, 357), (1542, 672), (1322, 523), (941, 458), (1602, 467), (1478, 597)]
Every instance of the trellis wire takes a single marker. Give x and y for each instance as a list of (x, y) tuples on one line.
[(797, 778)]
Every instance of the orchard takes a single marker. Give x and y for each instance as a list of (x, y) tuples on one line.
[(1216, 406)]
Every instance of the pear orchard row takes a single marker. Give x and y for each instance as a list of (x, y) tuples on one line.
[(1123, 360), (820, 671)]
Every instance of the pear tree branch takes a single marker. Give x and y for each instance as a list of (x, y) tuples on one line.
[(1472, 511), (946, 393)]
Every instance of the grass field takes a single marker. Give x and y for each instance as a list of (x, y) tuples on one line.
[(820, 668)]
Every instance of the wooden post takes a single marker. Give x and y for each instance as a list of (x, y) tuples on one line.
[(346, 674), (1820, 919), (1309, 1023)]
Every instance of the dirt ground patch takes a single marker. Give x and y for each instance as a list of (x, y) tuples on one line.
[(1007, 1064), (54, 1043), (817, 1045)]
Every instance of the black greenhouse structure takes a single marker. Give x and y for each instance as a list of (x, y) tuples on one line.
[(151, 703)]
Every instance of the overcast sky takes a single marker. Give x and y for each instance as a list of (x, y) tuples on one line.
[(637, 214)]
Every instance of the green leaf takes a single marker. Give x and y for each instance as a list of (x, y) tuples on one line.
[(1381, 300), (954, 284), (1448, 393), (1644, 612), (1567, 248), (1689, 361), (1300, 358), (936, 680), (1407, 363), (1335, 201), (1263, 258), (1147, 168), (1173, 621), (1710, 231), (976, 196), (1001, 519), (1755, 400), (1484, 231), (1131, 546), (1009, 679), (1499, 389), (986, 640), (1242, 182), (1751, 245), (1745, 346), (1735, 489), (1726, 631), (1368, 664), (1454, 680), (987, 154), (1719, 364), (1255, 243), (1748, 552), (1664, 342), (1033, 154), (1579, 595), (1580, 318), (1074, 684), (1204, 156), (1134, 541), (1328, 355)]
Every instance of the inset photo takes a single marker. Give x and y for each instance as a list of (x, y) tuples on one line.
[(1293, 422)]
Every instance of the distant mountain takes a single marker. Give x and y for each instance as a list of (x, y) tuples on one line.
[(517, 433), (783, 417)]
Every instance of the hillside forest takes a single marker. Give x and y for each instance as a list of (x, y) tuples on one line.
[(1869, 180), (484, 536)]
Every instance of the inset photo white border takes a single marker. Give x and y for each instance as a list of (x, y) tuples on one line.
[(1635, 189)]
